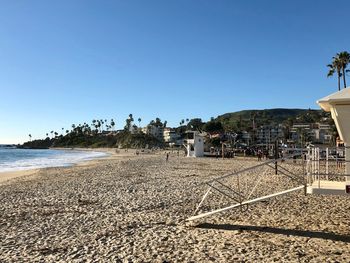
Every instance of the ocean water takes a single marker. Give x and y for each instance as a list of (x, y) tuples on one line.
[(12, 159)]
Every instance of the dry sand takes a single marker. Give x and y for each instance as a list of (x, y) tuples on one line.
[(129, 208)]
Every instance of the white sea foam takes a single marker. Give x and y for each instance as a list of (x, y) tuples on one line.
[(15, 160)]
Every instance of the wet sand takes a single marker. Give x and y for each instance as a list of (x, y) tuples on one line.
[(26, 174)]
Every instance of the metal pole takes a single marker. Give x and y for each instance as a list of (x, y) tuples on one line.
[(244, 203), (308, 166), (304, 174), (347, 163), (276, 156), (222, 150), (327, 169), (318, 166), (201, 202)]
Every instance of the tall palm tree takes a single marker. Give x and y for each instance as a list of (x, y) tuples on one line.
[(336, 66), (344, 58), (112, 124), (102, 122), (139, 120)]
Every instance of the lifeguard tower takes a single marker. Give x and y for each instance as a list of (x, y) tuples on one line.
[(312, 170), (338, 104), (194, 144)]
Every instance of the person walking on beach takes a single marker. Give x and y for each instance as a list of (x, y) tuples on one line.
[(167, 157)]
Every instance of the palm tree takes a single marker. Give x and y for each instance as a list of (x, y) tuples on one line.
[(129, 122), (336, 66), (344, 58), (139, 120), (112, 124), (102, 122)]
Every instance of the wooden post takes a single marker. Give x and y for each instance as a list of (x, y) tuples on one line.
[(222, 150), (327, 155), (276, 156)]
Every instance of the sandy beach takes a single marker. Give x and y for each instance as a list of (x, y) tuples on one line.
[(26, 174), (132, 208)]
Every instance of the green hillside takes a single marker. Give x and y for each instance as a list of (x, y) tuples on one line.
[(244, 119)]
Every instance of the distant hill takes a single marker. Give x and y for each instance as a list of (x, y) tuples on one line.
[(244, 119)]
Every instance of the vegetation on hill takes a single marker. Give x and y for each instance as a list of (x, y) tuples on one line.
[(123, 139), (37, 144), (246, 120), (101, 133)]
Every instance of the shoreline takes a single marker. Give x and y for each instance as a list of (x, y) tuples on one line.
[(111, 153), (8, 176)]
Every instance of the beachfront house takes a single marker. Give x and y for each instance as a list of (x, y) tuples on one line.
[(170, 135), (155, 131)]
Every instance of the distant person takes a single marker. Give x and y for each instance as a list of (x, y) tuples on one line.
[(167, 157), (266, 155), (259, 155)]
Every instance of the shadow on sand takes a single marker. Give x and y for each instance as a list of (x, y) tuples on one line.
[(281, 231)]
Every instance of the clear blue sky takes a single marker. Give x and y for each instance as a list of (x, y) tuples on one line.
[(64, 62)]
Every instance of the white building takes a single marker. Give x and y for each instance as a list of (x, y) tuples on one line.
[(268, 134), (155, 131), (169, 135), (315, 132), (194, 144)]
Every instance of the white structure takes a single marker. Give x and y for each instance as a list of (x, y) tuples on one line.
[(338, 104), (155, 131), (169, 135), (240, 194), (194, 144), (268, 134)]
